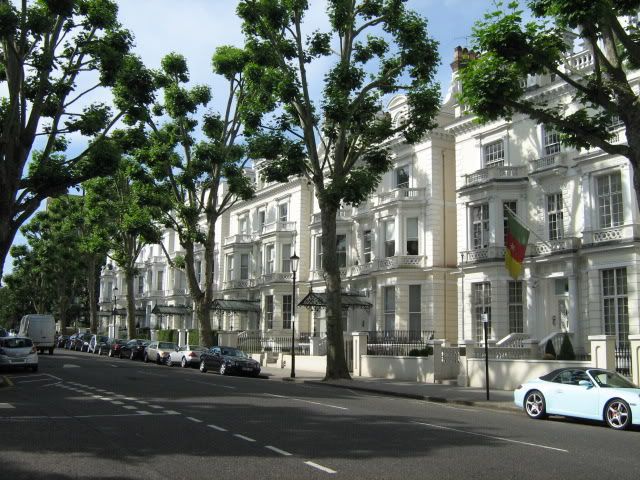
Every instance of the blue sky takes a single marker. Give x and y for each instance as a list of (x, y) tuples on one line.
[(194, 28)]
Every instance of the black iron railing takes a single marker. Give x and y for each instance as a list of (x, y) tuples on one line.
[(623, 359), (399, 342)]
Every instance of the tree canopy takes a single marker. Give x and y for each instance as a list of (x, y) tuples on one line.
[(514, 43)]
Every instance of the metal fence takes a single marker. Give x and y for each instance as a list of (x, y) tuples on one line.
[(399, 342), (623, 359), (260, 342)]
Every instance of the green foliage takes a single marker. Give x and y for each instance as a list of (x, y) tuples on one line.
[(566, 349), (421, 352), (194, 337), (168, 336), (549, 350)]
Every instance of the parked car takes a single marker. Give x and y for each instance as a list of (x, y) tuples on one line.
[(228, 360), (61, 341), (83, 345), (77, 341), (159, 352), (114, 346), (591, 393), (133, 349), (18, 352), (186, 356), (98, 344), (41, 329)]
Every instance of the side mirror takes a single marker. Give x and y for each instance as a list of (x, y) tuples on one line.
[(585, 383)]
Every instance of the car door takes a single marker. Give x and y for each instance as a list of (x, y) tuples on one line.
[(572, 399), (151, 350)]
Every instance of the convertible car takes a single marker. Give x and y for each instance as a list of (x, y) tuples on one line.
[(591, 393)]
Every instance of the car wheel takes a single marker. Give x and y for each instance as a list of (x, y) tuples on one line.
[(223, 369), (158, 359), (617, 414), (203, 367), (34, 368), (146, 358), (100, 351), (132, 356), (110, 354), (183, 362), (534, 405), (51, 351), (169, 362)]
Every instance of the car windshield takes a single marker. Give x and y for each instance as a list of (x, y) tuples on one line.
[(167, 345), (606, 379), (103, 339), (13, 342), (233, 352)]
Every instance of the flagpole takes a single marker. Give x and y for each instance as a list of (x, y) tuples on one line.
[(531, 230)]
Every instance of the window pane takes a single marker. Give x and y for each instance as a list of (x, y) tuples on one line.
[(493, 154), (402, 177)]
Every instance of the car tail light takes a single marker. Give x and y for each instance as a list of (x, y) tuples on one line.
[(193, 354), (518, 387)]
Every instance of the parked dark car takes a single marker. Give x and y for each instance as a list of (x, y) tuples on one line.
[(86, 339), (62, 340), (133, 349), (228, 360), (70, 341), (114, 345), (79, 341)]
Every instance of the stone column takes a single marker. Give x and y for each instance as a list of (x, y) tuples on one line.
[(465, 349), (182, 337), (359, 348), (603, 351), (437, 359), (572, 316), (634, 341)]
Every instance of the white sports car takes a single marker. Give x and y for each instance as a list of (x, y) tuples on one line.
[(591, 393)]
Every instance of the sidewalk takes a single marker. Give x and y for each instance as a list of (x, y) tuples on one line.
[(476, 397)]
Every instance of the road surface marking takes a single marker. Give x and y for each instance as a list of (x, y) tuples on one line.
[(194, 419), (37, 380), (211, 384), (215, 427), (493, 437), (6, 405), (142, 401), (155, 406), (117, 402), (70, 365), (307, 401), (143, 412), (129, 407), (277, 450), (171, 412), (248, 439), (320, 467)]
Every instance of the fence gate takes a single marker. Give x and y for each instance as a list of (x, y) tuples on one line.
[(348, 352)]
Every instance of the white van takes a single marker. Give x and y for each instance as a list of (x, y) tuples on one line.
[(41, 329)]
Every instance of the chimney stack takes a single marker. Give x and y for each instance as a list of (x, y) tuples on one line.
[(462, 56)]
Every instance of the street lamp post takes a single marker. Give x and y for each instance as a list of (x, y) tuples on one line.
[(294, 268), (113, 324)]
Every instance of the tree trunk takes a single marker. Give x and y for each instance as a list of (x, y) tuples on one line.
[(131, 305), (6, 239), (336, 361)]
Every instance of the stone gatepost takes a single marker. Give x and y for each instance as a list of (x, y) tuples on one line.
[(634, 341), (603, 351), (359, 348), (437, 345), (182, 337), (534, 347), (153, 335), (466, 347)]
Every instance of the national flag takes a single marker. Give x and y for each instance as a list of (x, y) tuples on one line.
[(517, 238)]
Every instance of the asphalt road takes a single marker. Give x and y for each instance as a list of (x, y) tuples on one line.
[(82, 416)]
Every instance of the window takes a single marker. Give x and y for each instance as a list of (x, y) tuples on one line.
[(109, 291), (159, 278), (516, 309), (270, 254), (402, 177), (480, 226), (550, 140), (283, 212), (244, 266), (286, 311), (412, 236), (341, 250), (262, 216), (140, 284), (609, 192), (415, 316), (268, 311), (259, 262), (506, 206), (493, 154), (481, 298), (286, 258), (389, 308), (389, 238), (198, 269), (555, 217), (243, 225), (229, 262), (318, 253), (615, 304), (366, 245)]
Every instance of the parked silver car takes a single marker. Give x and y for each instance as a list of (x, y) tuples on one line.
[(18, 352), (186, 356), (159, 351)]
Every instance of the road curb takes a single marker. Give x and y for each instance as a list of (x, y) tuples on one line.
[(427, 398)]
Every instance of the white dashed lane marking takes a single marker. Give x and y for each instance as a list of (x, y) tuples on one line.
[(196, 420), (277, 450), (320, 467), (215, 427), (242, 437)]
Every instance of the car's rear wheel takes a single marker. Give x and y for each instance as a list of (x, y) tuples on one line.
[(535, 405), (203, 366), (183, 362), (169, 362), (617, 414), (146, 358)]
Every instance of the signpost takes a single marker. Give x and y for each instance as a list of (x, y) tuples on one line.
[(485, 326)]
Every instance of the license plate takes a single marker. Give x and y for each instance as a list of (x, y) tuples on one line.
[(247, 369), (17, 360)]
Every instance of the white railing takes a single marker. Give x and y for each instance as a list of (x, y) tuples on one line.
[(513, 340), (551, 246), (246, 283), (548, 161), (278, 227), (401, 261), (342, 214), (556, 340), (275, 277), (490, 252), (500, 353), (240, 238), (622, 232), (400, 194), (492, 173)]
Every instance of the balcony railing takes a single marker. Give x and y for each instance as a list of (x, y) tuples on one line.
[(274, 227), (239, 238), (487, 253), (552, 246), (277, 277), (400, 194), (401, 261), (377, 265), (622, 232), (548, 162), (342, 214), (492, 173), (234, 284)]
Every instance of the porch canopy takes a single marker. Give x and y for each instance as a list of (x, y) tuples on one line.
[(227, 305), (122, 312), (317, 301), (171, 310)]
